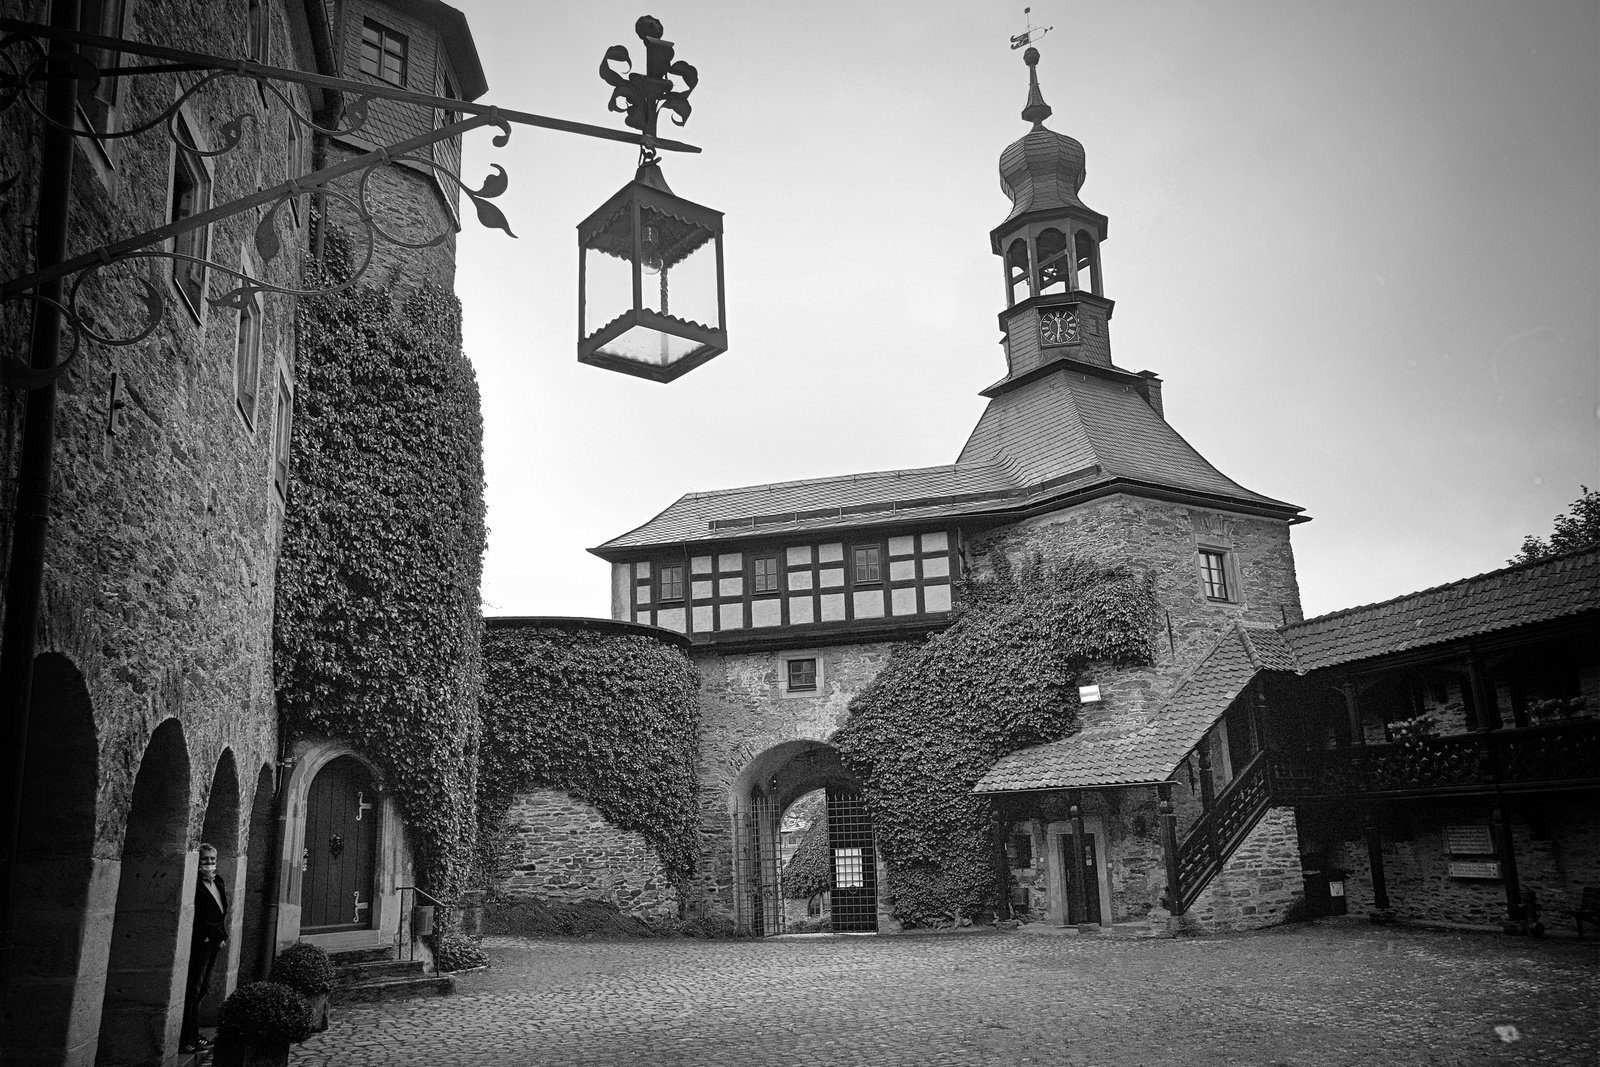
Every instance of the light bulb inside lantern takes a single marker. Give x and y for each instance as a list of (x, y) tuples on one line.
[(650, 252)]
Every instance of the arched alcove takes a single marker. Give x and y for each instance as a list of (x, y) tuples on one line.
[(221, 830), (143, 1001), (1017, 272), (54, 866), (1051, 251), (251, 897)]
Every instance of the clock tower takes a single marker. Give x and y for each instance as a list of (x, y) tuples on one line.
[(1050, 248)]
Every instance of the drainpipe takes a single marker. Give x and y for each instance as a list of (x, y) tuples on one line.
[(25, 575)]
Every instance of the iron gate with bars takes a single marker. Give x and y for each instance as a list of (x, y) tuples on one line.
[(759, 827), (854, 898)]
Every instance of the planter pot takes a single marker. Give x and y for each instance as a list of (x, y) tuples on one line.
[(230, 1054), (319, 1012)]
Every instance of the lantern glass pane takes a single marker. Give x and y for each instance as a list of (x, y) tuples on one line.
[(644, 345), (607, 289), (680, 269)]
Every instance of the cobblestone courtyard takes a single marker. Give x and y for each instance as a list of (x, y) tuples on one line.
[(1344, 993)]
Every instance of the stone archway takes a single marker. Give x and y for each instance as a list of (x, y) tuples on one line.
[(45, 1020), (763, 792), (221, 830), (251, 898), (143, 1003)]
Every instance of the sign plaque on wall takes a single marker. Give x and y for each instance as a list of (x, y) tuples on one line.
[(1469, 840), (1475, 869)]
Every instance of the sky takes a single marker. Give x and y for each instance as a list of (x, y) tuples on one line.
[(1360, 242)]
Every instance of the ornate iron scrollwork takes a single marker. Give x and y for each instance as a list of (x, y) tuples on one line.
[(643, 96)]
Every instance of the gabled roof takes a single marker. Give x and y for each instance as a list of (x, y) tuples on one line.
[(1144, 754), (1064, 432), (1541, 591)]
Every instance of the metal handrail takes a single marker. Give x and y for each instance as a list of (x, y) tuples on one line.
[(406, 913)]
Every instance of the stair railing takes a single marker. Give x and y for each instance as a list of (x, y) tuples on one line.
[(1212, 839), (408, 915)]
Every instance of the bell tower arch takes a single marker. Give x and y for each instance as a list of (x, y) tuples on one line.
[(1049, 246)]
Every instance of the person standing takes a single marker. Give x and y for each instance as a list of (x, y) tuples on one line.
[(210, 931)]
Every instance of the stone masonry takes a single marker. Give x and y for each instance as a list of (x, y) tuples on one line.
[(560, 849)]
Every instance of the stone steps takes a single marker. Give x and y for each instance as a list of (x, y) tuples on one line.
[(366, 975)]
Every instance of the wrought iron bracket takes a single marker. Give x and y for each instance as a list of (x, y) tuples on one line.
[(17, 79)]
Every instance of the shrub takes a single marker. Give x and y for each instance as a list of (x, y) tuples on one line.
[(457, 952), (265, 1013), (304, 968)]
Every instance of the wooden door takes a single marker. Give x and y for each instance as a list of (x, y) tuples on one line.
[(1087, 872), (341, 839)]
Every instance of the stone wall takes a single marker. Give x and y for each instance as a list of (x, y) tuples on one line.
[(560, 849), (1557, 844), (1162, 540), (745, 711), (1260, 884)]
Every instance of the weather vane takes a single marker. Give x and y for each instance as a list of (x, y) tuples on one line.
[(1031, 34), (646, 94)]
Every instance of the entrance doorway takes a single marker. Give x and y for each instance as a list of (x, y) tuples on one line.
[(1082, 865), (342, 815)]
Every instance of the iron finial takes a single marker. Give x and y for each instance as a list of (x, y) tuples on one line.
[(643, 95), (1037, 110)]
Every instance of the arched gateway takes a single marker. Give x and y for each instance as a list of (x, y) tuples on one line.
[(769, 787)]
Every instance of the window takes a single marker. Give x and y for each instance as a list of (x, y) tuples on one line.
[(1017, 271), (383, 53), (849, 872), (256, 31), (766, 574), (281, 427), (671, 582), (1052, 251), (247, 362), (1019, 851), (102, 18), (1214, 574), (191, 194), (868, 564), (802, 675), (1087, 267)]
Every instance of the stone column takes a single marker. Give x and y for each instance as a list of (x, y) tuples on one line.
[(1507, 849), (1381, 913)]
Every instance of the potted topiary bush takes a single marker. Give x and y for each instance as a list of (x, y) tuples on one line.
[(457, 952), (259, 1022), (306, 969)]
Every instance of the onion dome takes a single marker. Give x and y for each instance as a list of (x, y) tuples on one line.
[(1044, 170)]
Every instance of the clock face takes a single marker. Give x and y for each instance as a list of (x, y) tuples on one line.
[(1058, 327)]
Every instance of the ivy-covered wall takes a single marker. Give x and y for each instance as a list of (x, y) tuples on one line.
[(1002, 677), (608, 712), (378, 628)]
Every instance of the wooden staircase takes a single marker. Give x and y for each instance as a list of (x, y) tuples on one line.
[(365, 975), (1220, 831)]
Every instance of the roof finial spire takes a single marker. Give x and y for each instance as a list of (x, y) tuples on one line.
[(1037, 110)]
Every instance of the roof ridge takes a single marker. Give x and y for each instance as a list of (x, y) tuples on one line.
[(1532, 564), (859, 476)]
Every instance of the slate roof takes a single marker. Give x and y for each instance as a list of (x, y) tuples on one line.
[(1065, 432), (1515, 596), (1144, 754)]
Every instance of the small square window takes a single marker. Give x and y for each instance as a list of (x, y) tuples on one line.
[(1214, 574), (256, 30), (247, 362), (671, 577), (383, 53), (868, 564), (802, 675), (766, 574)]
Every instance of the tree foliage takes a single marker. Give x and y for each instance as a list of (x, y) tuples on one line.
[(1578, 529), (1002, 677), (378, 620), (612, 718), (810, 870)]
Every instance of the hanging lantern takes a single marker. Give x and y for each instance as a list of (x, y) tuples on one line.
[(650, 290), (650, 297)]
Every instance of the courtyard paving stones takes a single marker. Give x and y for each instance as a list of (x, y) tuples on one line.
[(1331, 993)]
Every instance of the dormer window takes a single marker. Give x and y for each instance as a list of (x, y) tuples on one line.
[(383, 52)]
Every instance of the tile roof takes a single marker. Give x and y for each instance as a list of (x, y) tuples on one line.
[(1147, 753), (1065, 431), (1515, 596)]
